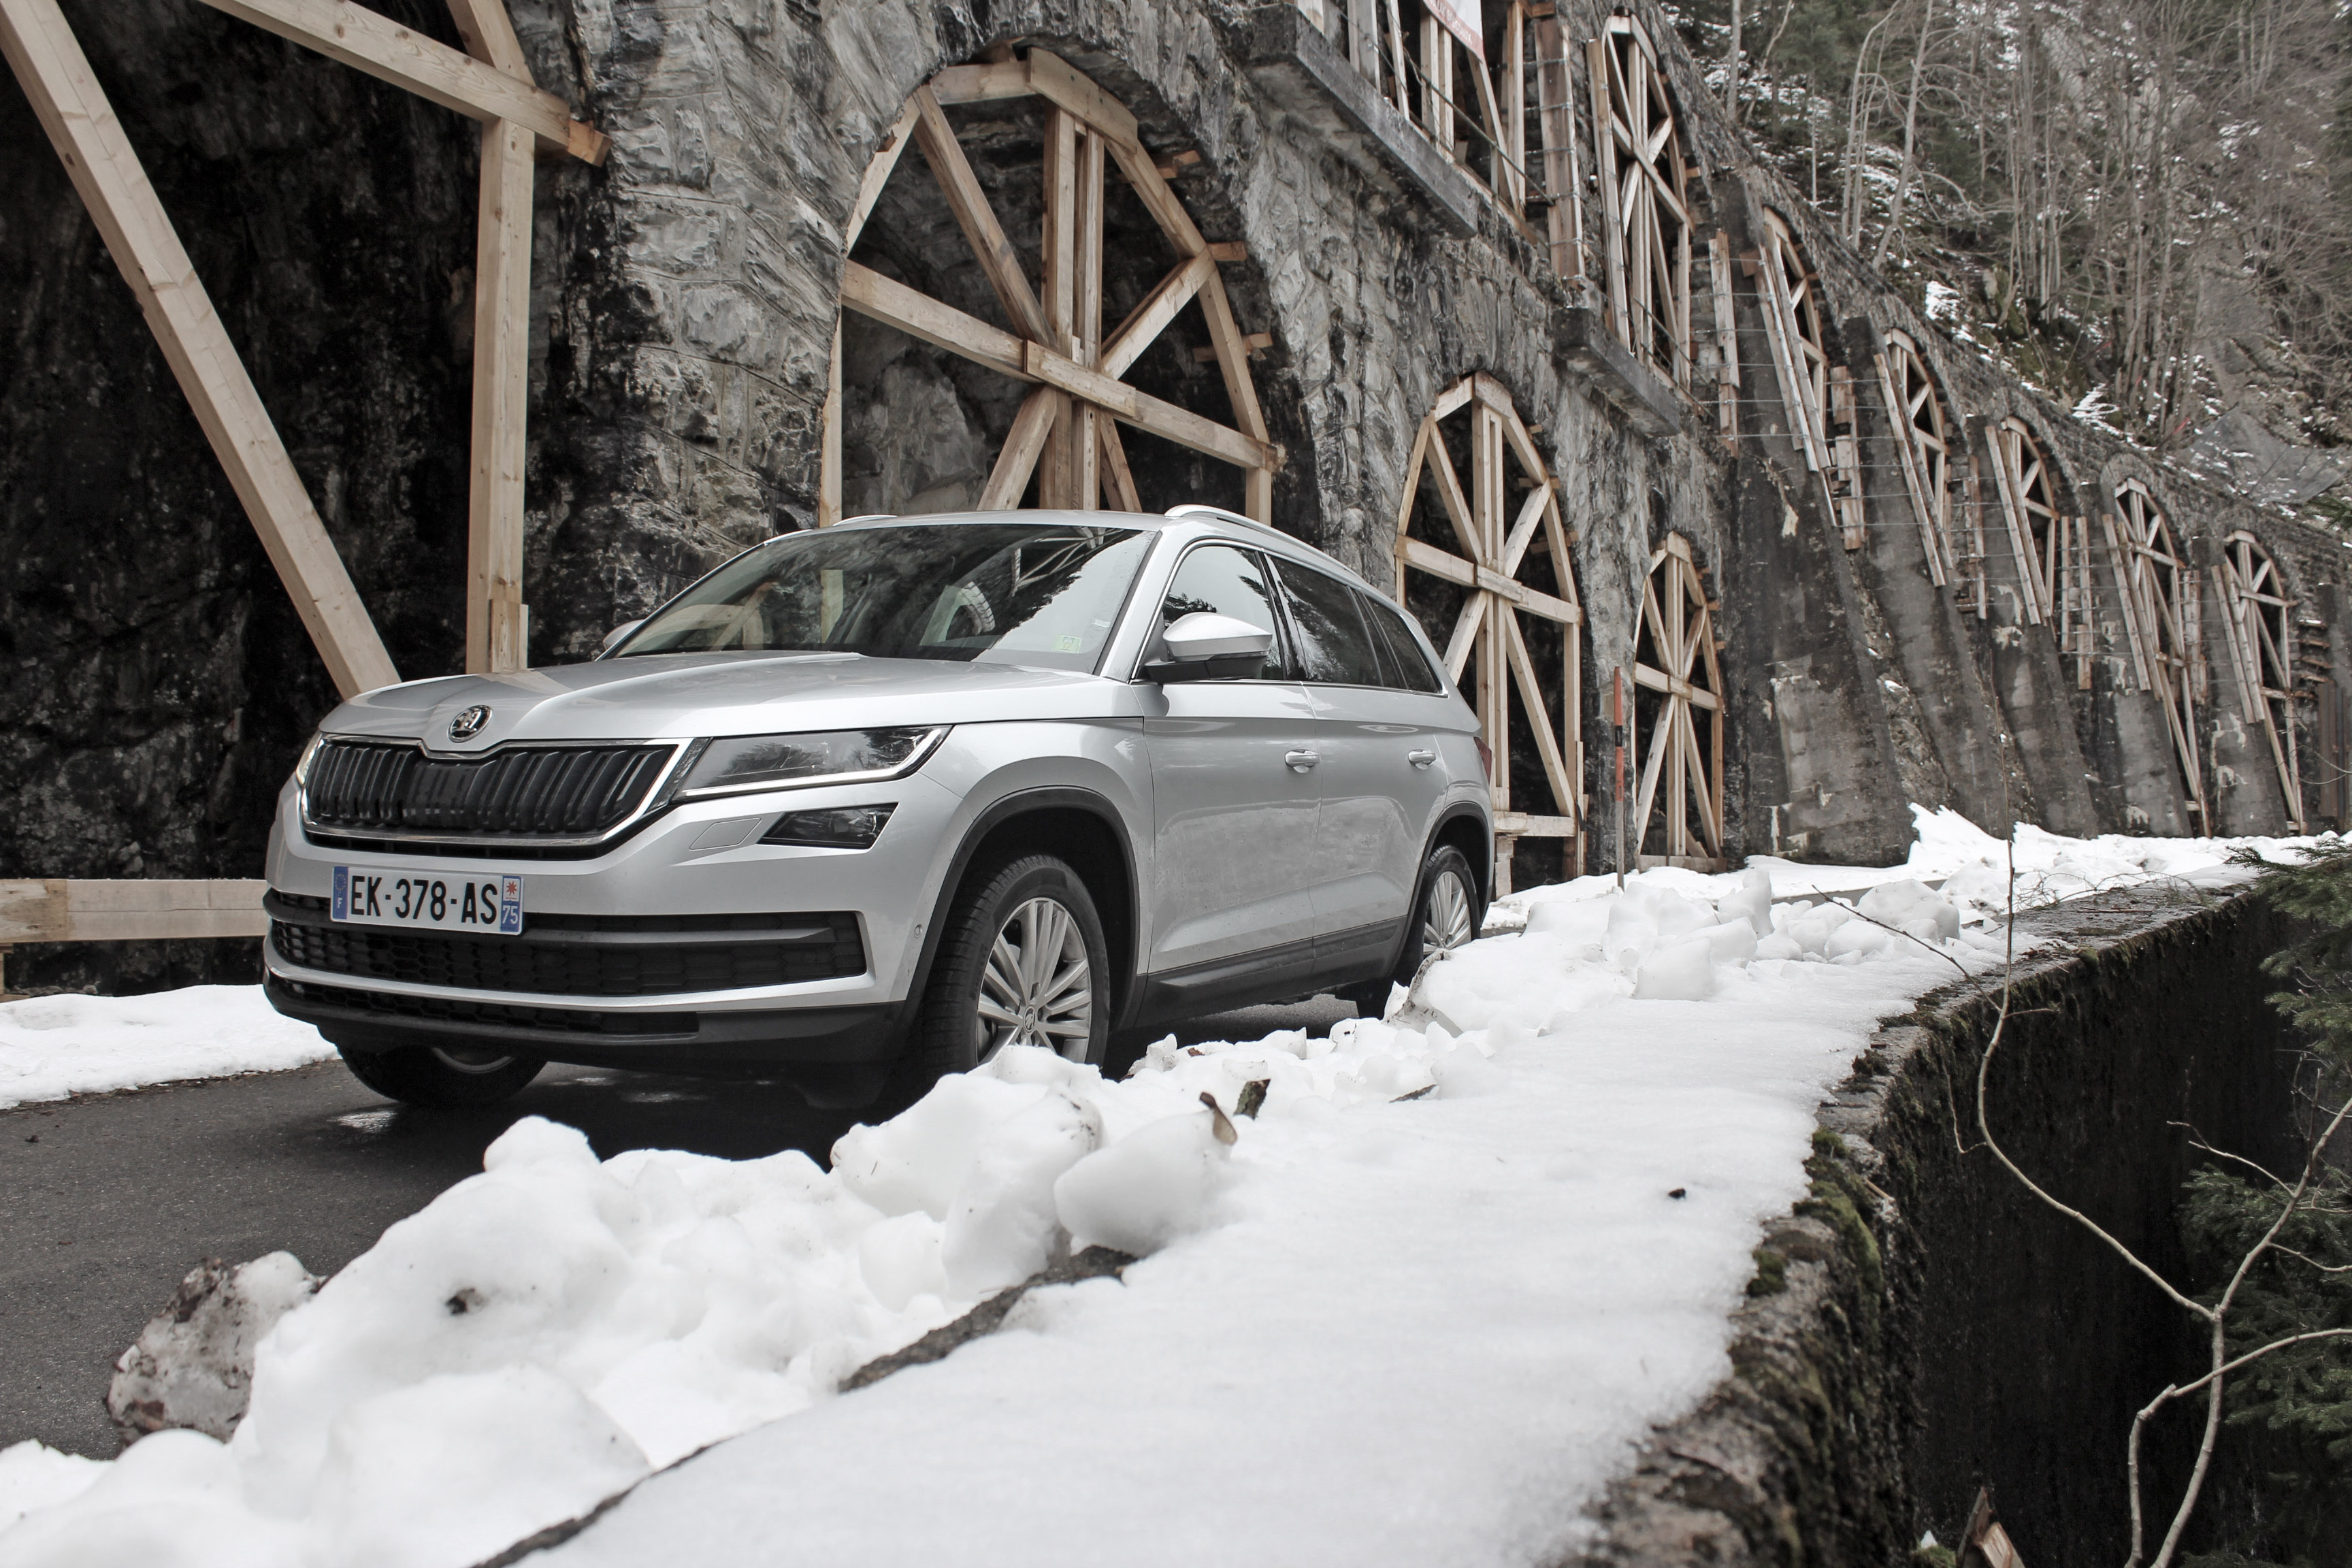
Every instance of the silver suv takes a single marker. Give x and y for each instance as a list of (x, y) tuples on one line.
[(885, 797)]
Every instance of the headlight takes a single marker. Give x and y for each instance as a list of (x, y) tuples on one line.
[(302, 762), (732, 764)]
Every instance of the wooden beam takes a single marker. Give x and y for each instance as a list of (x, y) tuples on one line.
[(892, 303), (999, 262), (61, 909), (1023, 444), (494, 512), (1057, 478), (982, 83), (369, 41), (488, 34), (1118, 478), (1058, 82), (878, 174), (80, 122), (1143, 326)]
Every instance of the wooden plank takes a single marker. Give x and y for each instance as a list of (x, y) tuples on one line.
[(1044, 365), (1158, 198), (1149, 320), (493, 512), (1564, 793), (1604, 163), (1118, 478), (999, 262), (2020, 535), (1513, 133), (1502, 174), (1010, 477), (1727, 335), (1057, 82), (1087, 465), (892, 303), (1564, 224), (1899, 421), (80, 122), (369, 41), (1058, 248), (1423, 557), (982, 83), (828, 457), (1457, 505), (63, 910), (2128, 566), (878, 174), (488, 34)]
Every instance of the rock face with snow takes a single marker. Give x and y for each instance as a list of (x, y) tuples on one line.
[(193, 1365)]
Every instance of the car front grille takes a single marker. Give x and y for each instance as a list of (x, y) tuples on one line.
[(590, 956), (521, 793)]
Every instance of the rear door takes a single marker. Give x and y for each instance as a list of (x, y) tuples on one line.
[(1234, 803), (1379, 763)]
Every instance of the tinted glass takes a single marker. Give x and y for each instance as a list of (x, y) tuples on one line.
[(1226, 582), (1334, 647), (1408, 666), (1003, 592)]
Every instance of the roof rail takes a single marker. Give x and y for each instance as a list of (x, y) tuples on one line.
[(1201, 509)]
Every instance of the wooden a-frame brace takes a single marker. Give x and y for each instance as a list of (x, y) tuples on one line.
[(1492, 599), (490, 82), (1676, 770), (1065, 434)]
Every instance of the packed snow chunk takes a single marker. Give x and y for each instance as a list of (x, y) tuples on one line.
[(1750, 901), (456, 1467), (900, 1260), (1465, 1073), (1678, 971), (1856, 937), (1577, 923), (1143, 1192), (193, 1364), (52, 1046), (33, 1475), (1810, 929), (918, 1158), (169, 1502), (1734, 941), (1780, 945), (1904, 903), (1000, 1223)]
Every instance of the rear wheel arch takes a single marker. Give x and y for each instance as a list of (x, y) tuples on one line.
[(1467, 829)]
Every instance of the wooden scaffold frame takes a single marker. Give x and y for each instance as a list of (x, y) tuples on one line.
[(1498, 540), (2257, 618), (1065, 434), (1923, 444), (1679, 768), (1817, 392), (1645, 202), (2161, 621), (491, 82), (2053, 557)]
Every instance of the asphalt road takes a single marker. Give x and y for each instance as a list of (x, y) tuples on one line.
[(106, 1201)]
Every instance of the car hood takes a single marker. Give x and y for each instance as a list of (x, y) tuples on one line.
[(676, 696)]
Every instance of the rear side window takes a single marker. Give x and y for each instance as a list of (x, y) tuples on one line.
[(1224, 581), (1408, 667), (1335, 646)]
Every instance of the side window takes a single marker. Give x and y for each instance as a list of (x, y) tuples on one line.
[(1334, 647), (1409, 666), (1226, 582)]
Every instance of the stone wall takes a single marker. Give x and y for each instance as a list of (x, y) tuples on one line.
[(1898, 1348), (683, 310)]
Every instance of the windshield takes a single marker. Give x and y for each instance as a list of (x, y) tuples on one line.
[(1005, 592)]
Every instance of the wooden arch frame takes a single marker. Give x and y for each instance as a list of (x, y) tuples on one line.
[(2038, 532), (1497, 538), (1816, 393), (2159, 594), (1066, 431), (1923, 443), (1678, 766), (2257, 618), (1644, 199), (491, 82)]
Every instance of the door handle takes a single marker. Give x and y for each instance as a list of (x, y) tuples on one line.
[(1301, 761), (1421, 759)]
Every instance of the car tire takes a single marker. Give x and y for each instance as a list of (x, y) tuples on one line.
[(443, 1078), (1445, 913), (983, 997)]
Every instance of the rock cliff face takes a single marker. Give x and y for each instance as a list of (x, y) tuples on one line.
[(683, 309)]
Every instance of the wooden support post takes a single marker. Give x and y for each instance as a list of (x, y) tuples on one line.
[(1513, 132), (1086, 323), (1554, 113), (494, 535), (1727, 336), (56, 78)]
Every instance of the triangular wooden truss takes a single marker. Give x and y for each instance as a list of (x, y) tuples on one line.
[(2160, 619), (2257, 616), (1065, 434), (1678, 727), (1645, 198), (1498, 534), (491, 82)]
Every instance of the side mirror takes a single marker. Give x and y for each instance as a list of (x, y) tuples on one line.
[(1204, 646), (617, 634)]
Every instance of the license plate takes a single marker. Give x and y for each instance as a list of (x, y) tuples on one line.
[(487, 906)]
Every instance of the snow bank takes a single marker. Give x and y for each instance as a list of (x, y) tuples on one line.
[(1418, 1311), (51, 1047)]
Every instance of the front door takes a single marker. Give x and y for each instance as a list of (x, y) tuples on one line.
[(1233, 798)]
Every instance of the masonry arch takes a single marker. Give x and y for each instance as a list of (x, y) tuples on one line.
[(1645, 198), (1485, 564), (2161, 619), (1678, 710), (2052, 549), (1816, 392), (2258, 621), (1924, 443), (1032, 397)]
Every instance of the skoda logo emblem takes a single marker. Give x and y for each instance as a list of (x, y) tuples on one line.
[(468, 724)]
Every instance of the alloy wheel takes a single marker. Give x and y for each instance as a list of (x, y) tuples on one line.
[(1446, 921), (1038, 988)]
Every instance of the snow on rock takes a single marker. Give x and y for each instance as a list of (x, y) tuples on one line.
[(1419, 1311), (52, 1046), (193, 1363)]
